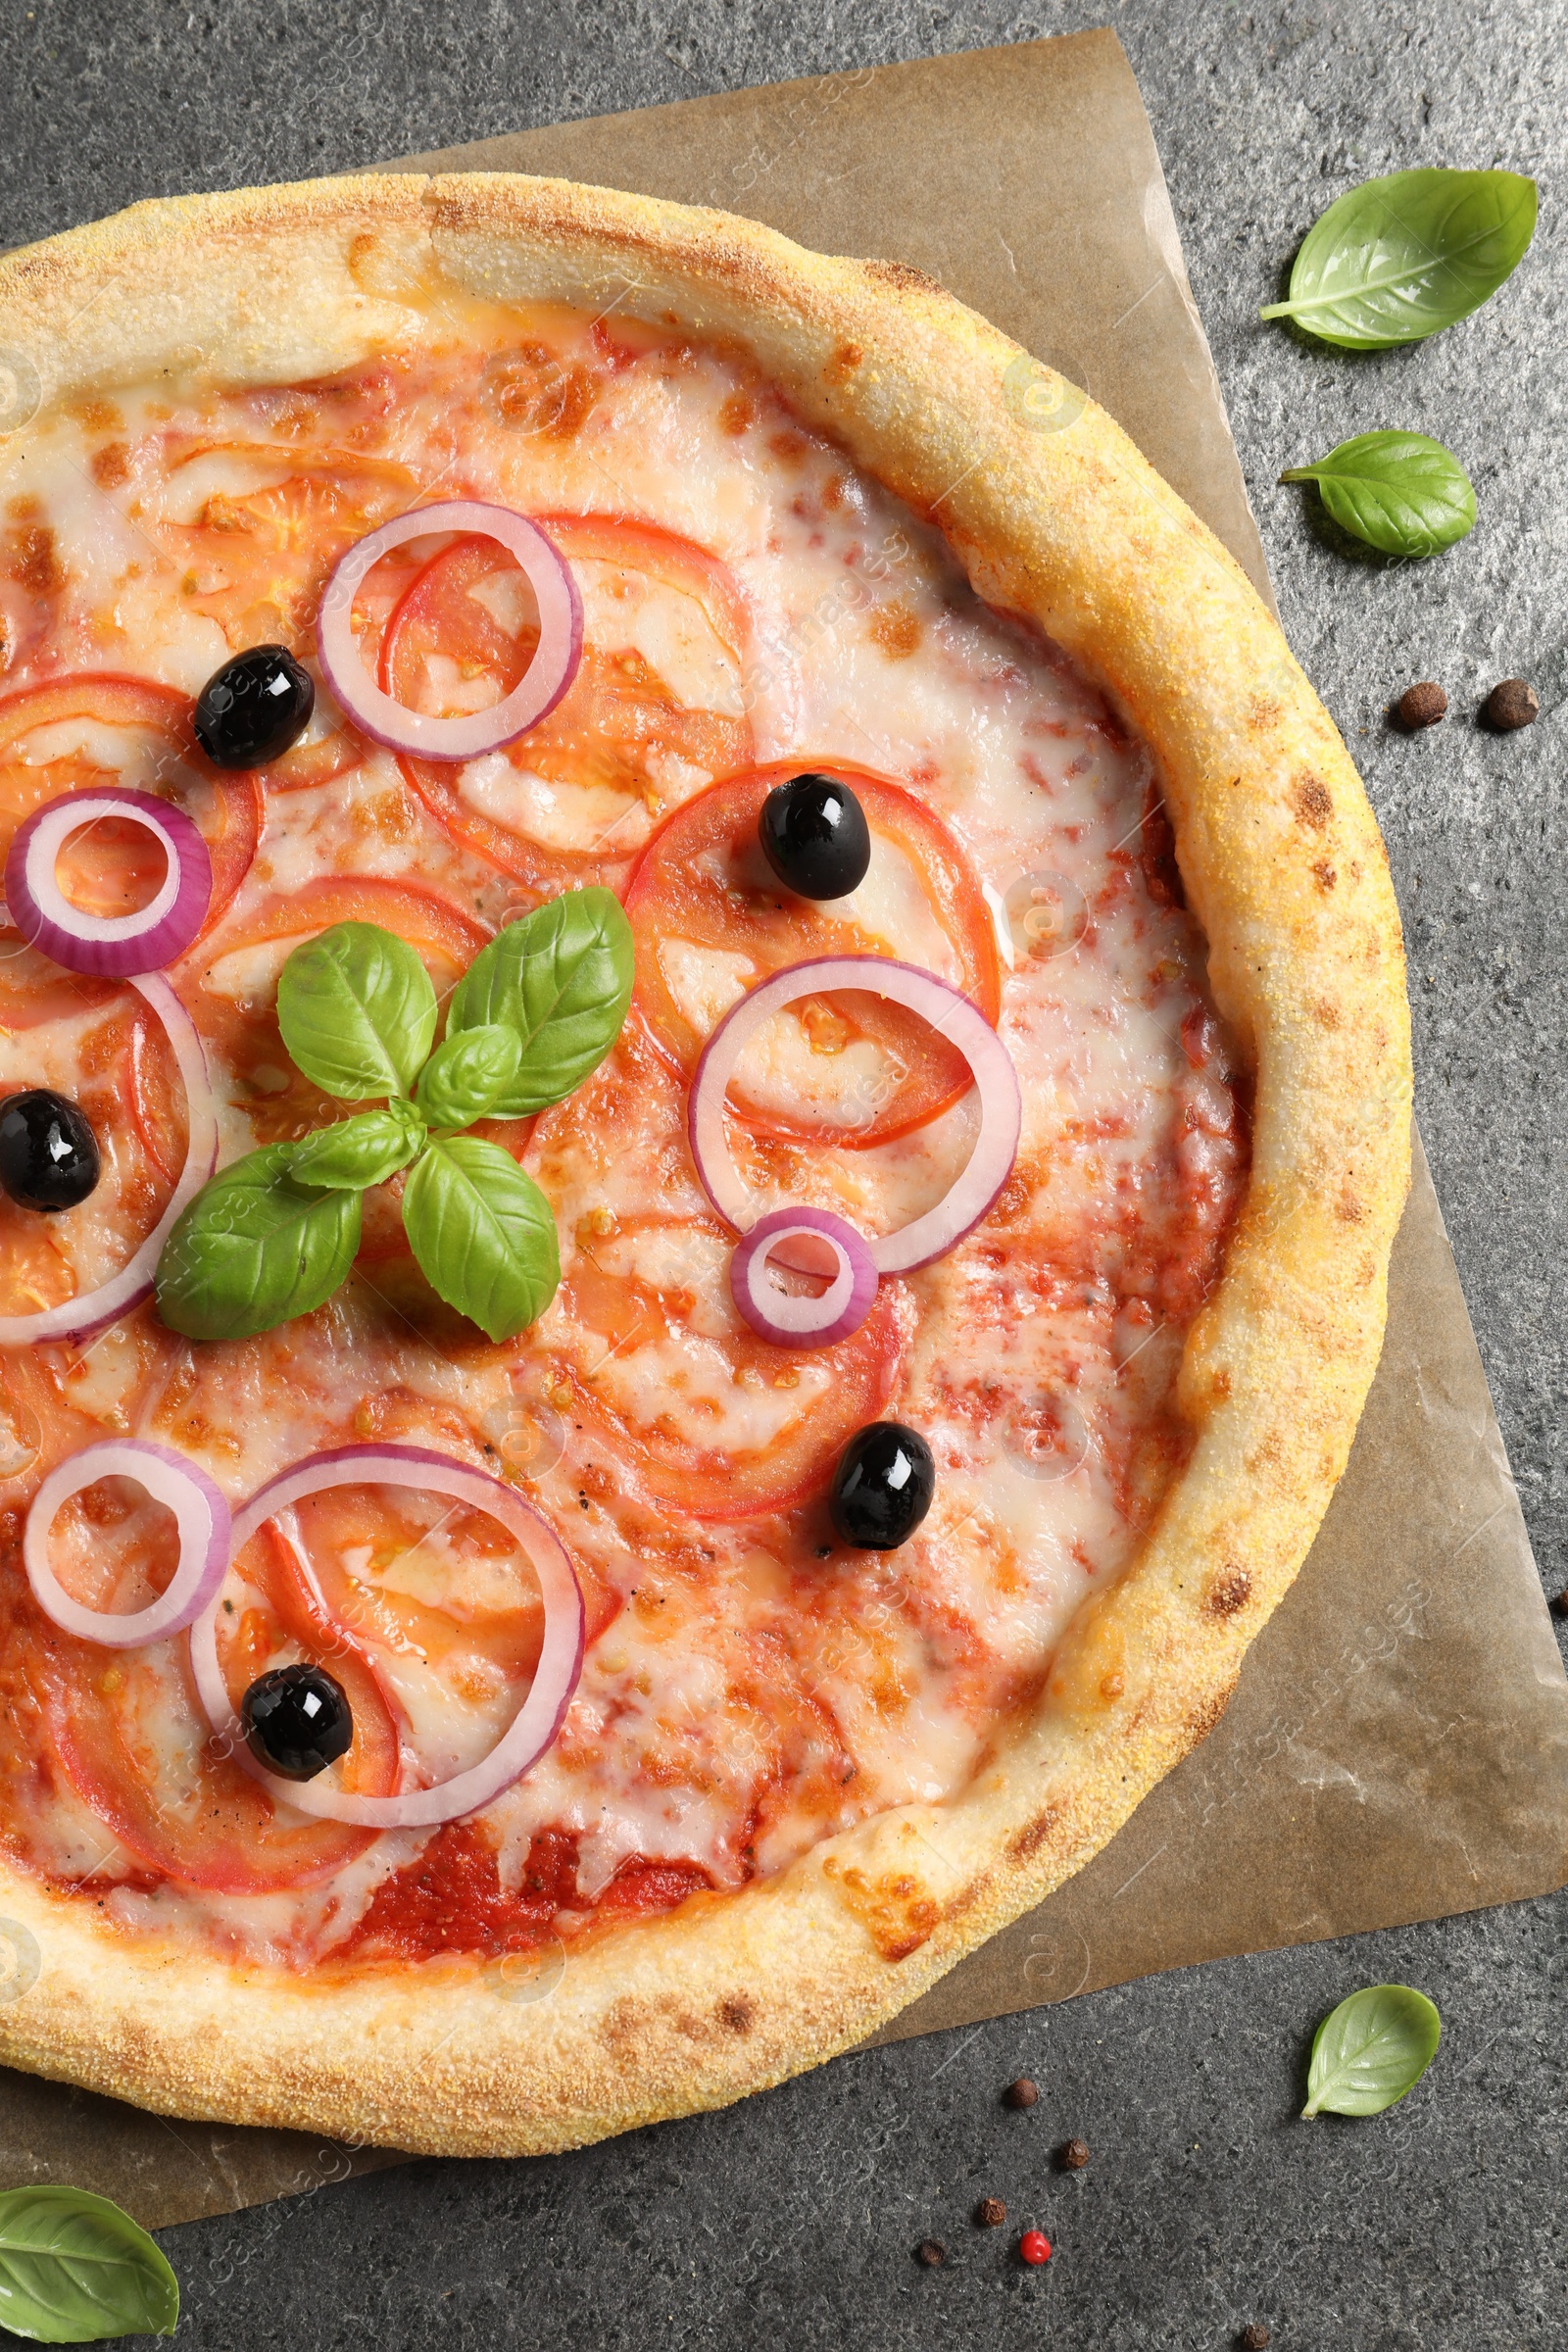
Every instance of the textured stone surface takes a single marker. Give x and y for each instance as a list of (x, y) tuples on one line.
[(792, 2220)]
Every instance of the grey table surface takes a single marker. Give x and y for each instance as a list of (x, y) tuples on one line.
[(791, 2219)]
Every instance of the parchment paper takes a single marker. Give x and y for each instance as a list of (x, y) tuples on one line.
[(1398, 1749)]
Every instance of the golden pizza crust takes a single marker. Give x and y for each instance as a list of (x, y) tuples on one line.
[(1285, 871)]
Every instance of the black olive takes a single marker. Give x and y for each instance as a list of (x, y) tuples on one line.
[(815, 836), (883, 1486), (297, 1721), (254, 708), (48, 1151)]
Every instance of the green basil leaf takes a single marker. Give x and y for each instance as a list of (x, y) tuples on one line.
[(465, 1078), (357, 1010), (1400, 492), (560, 978), (483, 1233), (360, 1151), (255, 1248), (1399, 257), (1370, 2050), (73, 2268)]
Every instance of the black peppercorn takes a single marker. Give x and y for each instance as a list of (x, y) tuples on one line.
[(932, 2252), (1255, 2337), (1075, 2155), (991, 2212)]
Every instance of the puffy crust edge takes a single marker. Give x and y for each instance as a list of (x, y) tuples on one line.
[(1285, 871)]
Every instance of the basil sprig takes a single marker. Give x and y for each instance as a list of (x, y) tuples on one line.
[(1403, 255), (562, 979), (1370, 2050), (275, 1235), (1402, 492), (357, 1011), (74, 2270), (483, 1233), (254, 1249)]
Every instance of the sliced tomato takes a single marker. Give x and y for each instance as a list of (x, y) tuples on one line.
[(234, 993), (53, 1403), (122, 1072), (255, 528), (689, 1402), (133, 1745), (711, 920), (657, 709), (413, 1578), (99, 729)]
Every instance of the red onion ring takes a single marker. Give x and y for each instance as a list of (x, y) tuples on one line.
[(110, 947), (996, 1147), (84, 1317), (803, 1322), (200, 1514), (538, 691), (537, 1720)]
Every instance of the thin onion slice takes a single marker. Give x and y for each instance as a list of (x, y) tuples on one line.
[(803, 1322), (538, 691), (200, 1515), (110, 946), (538, 1719), (996, 1147), (84, 1317)]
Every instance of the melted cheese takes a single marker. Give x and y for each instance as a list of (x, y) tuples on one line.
[(740, 1697)]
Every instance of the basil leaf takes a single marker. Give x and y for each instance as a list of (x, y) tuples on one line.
[(1399, 257), (483, 1233), (357, 1010), (468, 1074), (255, 1248), (1370, 2050), (73, 2268), (360, 1151), (1400, 492), (560, 978)]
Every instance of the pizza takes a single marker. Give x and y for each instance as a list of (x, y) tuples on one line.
[(703, 1089)]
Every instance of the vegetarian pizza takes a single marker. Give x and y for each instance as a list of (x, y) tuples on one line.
[(704, 1087)]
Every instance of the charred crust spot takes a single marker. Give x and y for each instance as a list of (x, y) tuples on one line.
[(1323, 874), (1203, 1719), (903, 276), (737, 2012), (1033, 1835), (1219, 1387), (1231, 1590), (845, 361), (1326, 1014), (1310, 797), (1264, 713), (1348, 1208)]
